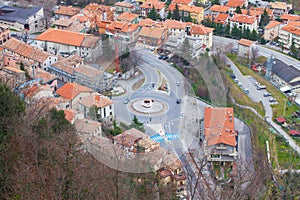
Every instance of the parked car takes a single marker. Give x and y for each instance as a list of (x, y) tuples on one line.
[(267, 94), (178, 101), (178, 83), (246, 91), (165, 57), (240, 84), (272, 100), (236, 80), (232, 76), (261, 87)]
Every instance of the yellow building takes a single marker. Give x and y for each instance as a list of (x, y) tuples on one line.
[(195, 12)]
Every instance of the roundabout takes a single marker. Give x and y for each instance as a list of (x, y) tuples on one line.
[(148, 106)]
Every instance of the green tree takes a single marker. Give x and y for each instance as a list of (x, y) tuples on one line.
[(235, 32), (188, 18), (169, 16), (215, 2), (253, 35), (264, 19), (176, 15), (246, 33), (227, 30), (116, 129), (168, 2), (238, 10), (93, 112), (153, 14), (137, 124)]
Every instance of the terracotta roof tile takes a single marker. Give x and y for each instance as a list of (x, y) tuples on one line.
[(219, 126), (221, 18), (218, 8), (67, 10), (153, 3), (235, 3), (129, 138), (174, 24), (200, 30), (14, 69), (272, 24), (26, 50), (292, 29), (243, 19), (70, 114), (87, 126), (128, 17), (71, 90), (246, 42), (152, 32), (289, 17), (183, 2), (124, 4), (146, 22), (96, 99)]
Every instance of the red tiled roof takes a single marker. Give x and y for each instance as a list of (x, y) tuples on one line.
[(246, 42), (294, 132), (235, 3), (154, 3), (96, 99), (200, 30), (67, 10), (124, 4), (218, 8), (183, 2), (272, 24), (128, 17), (289, 17), (70, 115), (174, 24), (241, 18), (280, 120), (152, 32), (292, 29), (219, 126), (147, 22), (71, 90), (190, 9), (221, 18)]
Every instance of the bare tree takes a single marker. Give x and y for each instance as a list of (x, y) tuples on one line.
[(254, 53)]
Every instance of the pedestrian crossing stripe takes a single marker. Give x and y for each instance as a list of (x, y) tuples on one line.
[(157, 138), (171, 136)]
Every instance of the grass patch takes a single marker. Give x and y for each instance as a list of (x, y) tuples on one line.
[(138, 84), (278, 109)]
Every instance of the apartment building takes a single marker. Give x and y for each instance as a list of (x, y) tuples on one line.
[(272, 30), (290, 34), (280, 8), (244, 21), (149, 4)]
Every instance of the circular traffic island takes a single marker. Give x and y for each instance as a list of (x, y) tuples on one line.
[(148, 106)]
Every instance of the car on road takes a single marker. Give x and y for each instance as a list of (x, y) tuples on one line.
[(272, 100), (178, 101), (246, 91), (233, 76), (163, 57), (178, 83), (261, 87), (126, 101), (267, 94), (236, 80), (240, 84)]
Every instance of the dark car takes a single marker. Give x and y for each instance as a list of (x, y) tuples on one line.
[(233, 76), (160, 57), (267, 94), (165, 57), (178, 101)]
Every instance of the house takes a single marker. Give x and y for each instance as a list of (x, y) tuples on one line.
[(69, 24), (105, 106), (149, 4), (196, 13), (4, 33), (31, 19), (280, 120), (290, 34), (126, 32), (73, 92), (123, 6), (175, 27), (285, 75), (257, 12), (221, 19), (90, 127), (15, 50), (244, 47), (220, 137), (271, 30), (12, 77), (200, 38), (128, 17), (289, 17), (217, 9), (242, 22), (73, 69), (152, 37), (73, 115), (99, 12), (134, 141), (66, 43), (280, 8), (66, 12), (233, 4), (183, 2), (295, 133)]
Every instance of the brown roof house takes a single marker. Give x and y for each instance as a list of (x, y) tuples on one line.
[(67, 43), (73, 92), (152, 37), (245, 47), (90, 127), (65, 12), (104, 107), (220, 137)]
